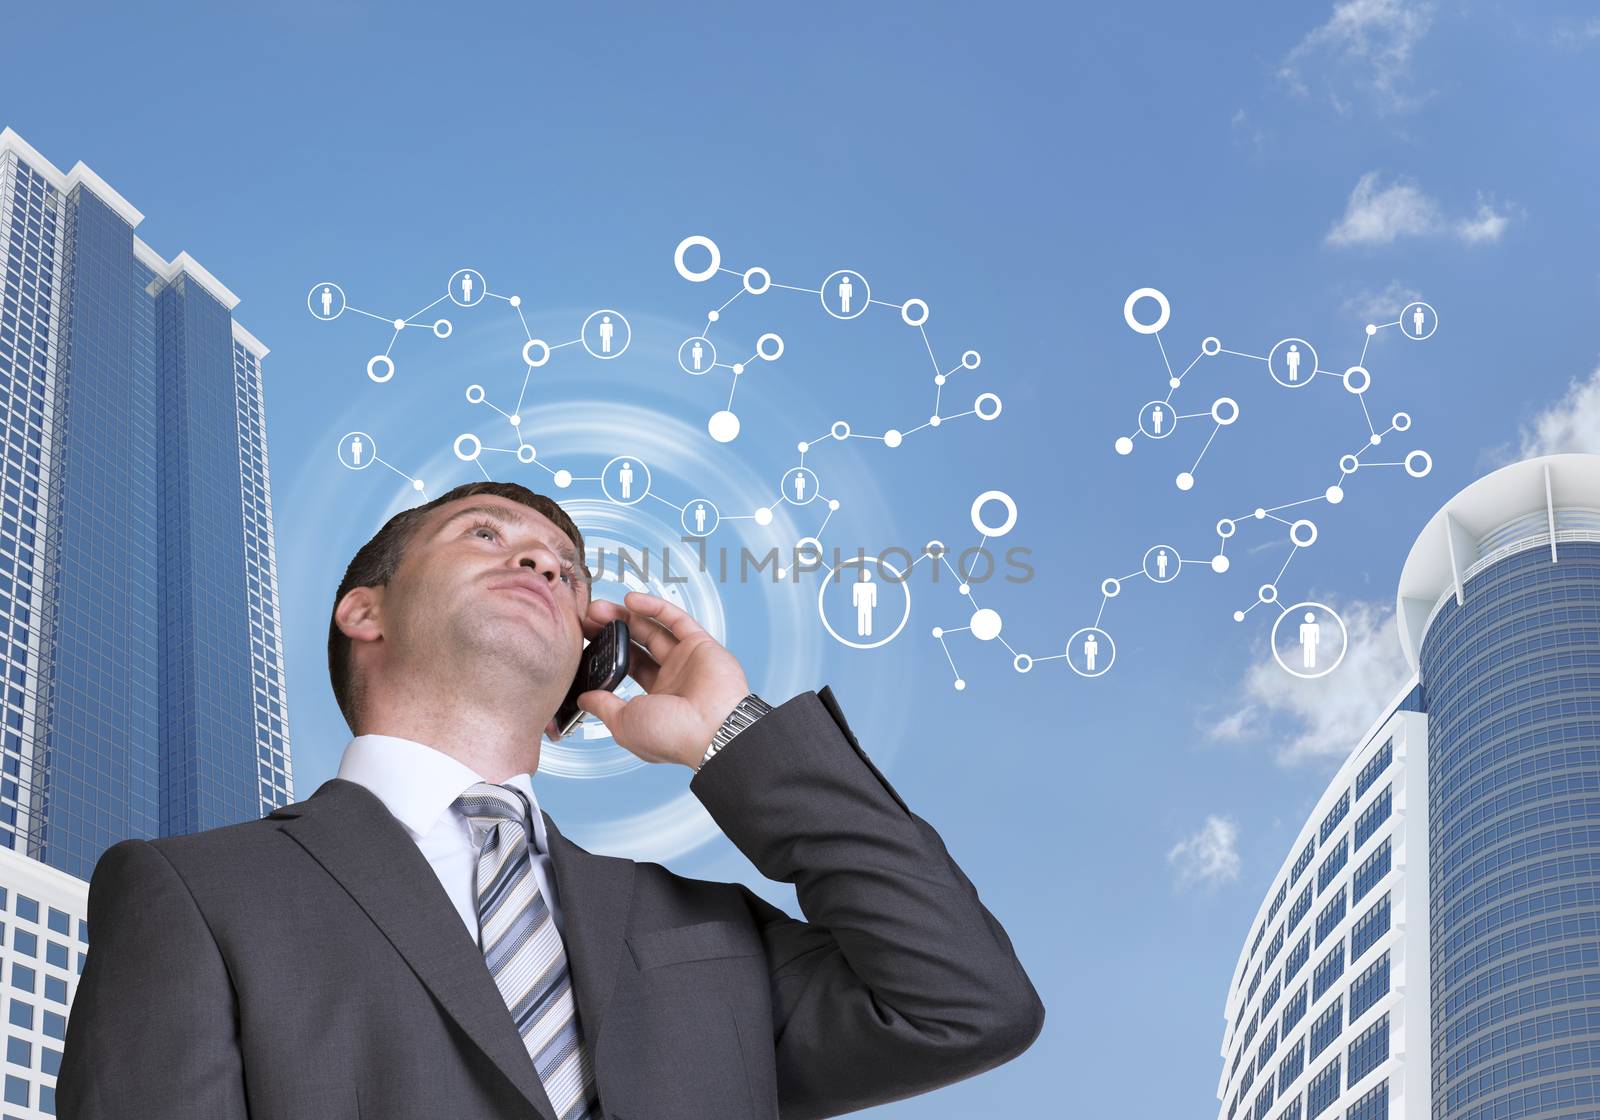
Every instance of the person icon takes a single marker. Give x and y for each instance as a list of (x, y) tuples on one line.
[(846, 290), (1158, 416), (864, 597), (1293, 359), (1416, 322), (356, 447), (327, 301), (799, 486), (607, 330), (700, 517), (698, 353), (1310, 636), (1091, 650), (1161, 564), (625, 476), (466, 287)]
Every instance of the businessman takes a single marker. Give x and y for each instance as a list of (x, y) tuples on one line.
[(417, 939)]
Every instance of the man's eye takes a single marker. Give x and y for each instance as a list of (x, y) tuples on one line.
[(488, 526)]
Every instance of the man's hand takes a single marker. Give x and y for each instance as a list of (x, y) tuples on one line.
[(691, 681)]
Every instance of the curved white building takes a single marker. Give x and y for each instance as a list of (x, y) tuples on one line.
[(1430, 947)]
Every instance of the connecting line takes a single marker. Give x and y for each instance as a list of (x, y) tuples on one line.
[(946, 648), (1240, 354), (923, 331), (652, 494), (1206, 448), (1286, 560), (1362, 397), (430, 307), (1162, 346)]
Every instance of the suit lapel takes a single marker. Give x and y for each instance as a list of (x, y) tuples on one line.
[(595, 894), (357, 840)]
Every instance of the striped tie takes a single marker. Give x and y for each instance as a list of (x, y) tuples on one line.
[(523, 949)]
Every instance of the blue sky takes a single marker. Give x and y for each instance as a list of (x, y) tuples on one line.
[(1276, 170)]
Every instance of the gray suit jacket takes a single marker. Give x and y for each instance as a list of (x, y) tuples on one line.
[(310, 965)]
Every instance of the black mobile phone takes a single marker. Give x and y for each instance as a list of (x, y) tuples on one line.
[(604, 665)]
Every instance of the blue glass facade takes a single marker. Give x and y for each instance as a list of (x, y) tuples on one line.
[(139, 625), (1512, 678)]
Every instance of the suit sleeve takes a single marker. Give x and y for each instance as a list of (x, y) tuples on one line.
[(900, 980), (153, 1029)]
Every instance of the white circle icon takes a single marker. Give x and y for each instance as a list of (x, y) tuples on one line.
[(984, 499), (1309, 640), (628, 483), (467, 287), (357, 450), (606, 333), (860, 594), (325, 300), (700, 517), (1419, 320), (696, 355), (1157, 420), (1162, 563), (799, 486), (1163, 311), (1090, 651), (845, 294), (1292, 363), (696, 275)]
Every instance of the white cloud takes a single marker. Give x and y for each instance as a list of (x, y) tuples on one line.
[(1577, 35), (1366, 46), (1380, 307), (1571, 424), (1320, 719), (1379, 214), (1210, 856)]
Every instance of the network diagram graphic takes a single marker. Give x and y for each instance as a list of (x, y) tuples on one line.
[(864, 600)]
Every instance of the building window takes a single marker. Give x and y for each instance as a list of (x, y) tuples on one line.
[(1376, 766), (1369, 927), (1334, 863), (1328, 969), (1374, 815), (1368, 988), (19, 1052), (1335, 815), (1332, 914), (1372, 871), (1327, 1027), (1369, 1050), (1373, 1105), (16, 1090), (1323, 1090)]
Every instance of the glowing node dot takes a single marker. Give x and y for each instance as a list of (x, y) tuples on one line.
[(1376, 439), (723, 426), (938, 379), (1124, 445), (399, 324), (938, 631), (985, 624), (763, 516), (960, 684), (1261, 514), (965, 589), (516, 301), (416, 484), (891, 438), (1219, 563), (833, 503), (1238, 616), (802, 447), (516, 421), (1186, 481), (713, 316), (1335, 495), (935, 421), (1173, 382), (1372, 328), (563, 479), (738, 367)]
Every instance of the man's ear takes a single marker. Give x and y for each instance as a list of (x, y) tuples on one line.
[(359, 614)]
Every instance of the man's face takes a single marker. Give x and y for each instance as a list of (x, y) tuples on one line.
[(488, 576)]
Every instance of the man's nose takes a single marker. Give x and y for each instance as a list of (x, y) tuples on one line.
[(543, 564)]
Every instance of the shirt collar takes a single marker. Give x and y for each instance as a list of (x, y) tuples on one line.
[(417, 782)]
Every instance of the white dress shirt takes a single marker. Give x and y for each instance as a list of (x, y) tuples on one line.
[(418, 784)]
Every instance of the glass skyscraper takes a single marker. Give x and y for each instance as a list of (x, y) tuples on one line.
[(1444, 891), (139, 626)]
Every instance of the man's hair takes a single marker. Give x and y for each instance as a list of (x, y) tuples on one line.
[(380, 557)]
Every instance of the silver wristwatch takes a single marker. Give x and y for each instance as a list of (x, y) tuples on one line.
[(744, 713)]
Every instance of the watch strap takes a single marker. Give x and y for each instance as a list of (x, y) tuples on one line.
[(744, 713)]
